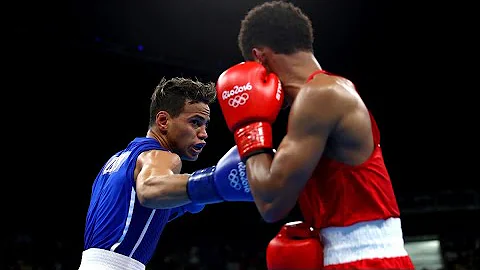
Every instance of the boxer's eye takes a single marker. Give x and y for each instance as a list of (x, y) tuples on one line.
[(196, 123)]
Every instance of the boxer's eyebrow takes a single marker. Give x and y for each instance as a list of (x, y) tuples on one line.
[(207, 119), (201, 118)]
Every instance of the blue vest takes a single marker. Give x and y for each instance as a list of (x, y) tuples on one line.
[(115, 220)]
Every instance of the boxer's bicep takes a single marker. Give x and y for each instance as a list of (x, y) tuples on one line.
[(309, 125), (158, 184), (156, 163), (311, 119), (296, 158)]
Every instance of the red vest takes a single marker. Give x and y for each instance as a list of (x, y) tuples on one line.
[(340, 195)]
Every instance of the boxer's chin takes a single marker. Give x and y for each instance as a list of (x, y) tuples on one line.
[(192, 154)]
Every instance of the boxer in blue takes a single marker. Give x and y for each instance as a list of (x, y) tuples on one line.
[(140, 188)]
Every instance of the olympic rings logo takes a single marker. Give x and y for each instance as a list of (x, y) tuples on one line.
[(234, 179), (238, 100), (238, 178)]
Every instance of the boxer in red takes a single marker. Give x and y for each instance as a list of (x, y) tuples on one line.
[(330, 160)]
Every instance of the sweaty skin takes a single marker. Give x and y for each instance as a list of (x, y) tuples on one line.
[(158, 182), (328, 118)]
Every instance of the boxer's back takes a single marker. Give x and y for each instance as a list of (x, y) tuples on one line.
[(116, 221), (351, 183)]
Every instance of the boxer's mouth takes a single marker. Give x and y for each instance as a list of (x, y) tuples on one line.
[(198, 146)]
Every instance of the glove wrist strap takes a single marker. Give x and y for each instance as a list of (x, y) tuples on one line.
[(201, 187), (254, 138)]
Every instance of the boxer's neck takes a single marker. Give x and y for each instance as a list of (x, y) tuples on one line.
[(155, 134), (294, 70)]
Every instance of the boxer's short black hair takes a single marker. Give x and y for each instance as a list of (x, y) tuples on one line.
[(171, 95), (278, 25)]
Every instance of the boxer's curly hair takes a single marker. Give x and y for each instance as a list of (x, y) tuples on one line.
[(278, 25), (171, 95)]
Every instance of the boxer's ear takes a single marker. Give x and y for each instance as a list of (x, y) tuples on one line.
[(162, 120), (258, 55)]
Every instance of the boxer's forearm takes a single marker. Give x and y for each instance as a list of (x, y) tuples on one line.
[(258, 172), (166, 191), (267, 188)]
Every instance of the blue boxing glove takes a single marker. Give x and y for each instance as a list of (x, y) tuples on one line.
[(227, 181), (180, 210)]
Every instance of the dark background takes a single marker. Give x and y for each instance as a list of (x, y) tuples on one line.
[(79, 75)]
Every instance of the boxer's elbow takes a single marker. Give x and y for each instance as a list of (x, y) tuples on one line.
[(272, 212), (153, 193), (267, 204), (273, 201), (151, 199), (271, 215), (145, 201)]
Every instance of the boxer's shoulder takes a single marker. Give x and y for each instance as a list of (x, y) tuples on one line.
[(322, 95), (160, 157), (331, 90)]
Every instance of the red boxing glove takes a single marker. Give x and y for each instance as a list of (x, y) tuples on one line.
[(296, 246), (250, 100)]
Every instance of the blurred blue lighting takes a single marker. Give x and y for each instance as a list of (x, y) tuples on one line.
[(140, 48)]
